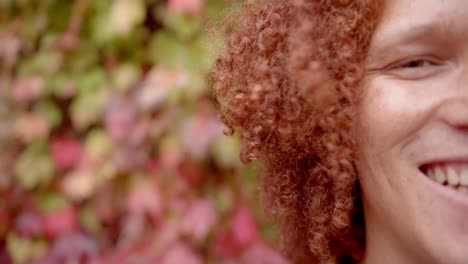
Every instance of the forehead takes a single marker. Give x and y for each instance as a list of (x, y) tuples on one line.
[(413, 11), (404, 19)]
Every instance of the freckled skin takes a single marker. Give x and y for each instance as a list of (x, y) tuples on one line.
[(414, 110)]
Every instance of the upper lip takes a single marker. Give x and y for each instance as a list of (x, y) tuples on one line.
[(458, 160)]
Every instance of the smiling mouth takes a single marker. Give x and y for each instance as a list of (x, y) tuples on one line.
[(453, 176)]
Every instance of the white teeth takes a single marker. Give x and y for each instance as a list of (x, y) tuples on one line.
[(439, 175), (464, 177), (452, 176), (430, 173)]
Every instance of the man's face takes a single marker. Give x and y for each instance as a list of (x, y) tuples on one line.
[(413, 129)]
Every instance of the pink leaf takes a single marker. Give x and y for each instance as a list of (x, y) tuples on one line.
[(26, 90), (120, 118), (65, 151), (199, 132), (128, 158), (158, 85), (79, 184), (199, 219), (60, 221), (145, 198), (168, 234), (259, 253), (181, 253), (242, 233), (71, 248), (132, 230), (170, 153), (243, 227), (10, 47), (192, 7), (31, 126), (28, 223), (67, 41)]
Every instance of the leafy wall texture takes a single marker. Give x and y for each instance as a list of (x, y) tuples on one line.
[(111, 151)]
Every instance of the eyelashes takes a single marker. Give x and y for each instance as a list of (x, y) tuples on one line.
[(415, 68), (410, 67), (416, 63)]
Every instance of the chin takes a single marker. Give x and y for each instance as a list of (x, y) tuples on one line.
[(446, 183), (440, 212)]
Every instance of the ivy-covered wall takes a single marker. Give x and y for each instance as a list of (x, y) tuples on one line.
[(110, 149)]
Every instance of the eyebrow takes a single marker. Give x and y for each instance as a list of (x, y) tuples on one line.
[(389, 39)]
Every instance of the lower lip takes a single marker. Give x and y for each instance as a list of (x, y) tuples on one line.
[(453, 196)]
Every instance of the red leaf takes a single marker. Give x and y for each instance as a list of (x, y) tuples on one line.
[(224, 245), (152, 166), (60, 222), (192, 173)]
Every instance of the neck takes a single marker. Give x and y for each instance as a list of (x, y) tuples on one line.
[(382, 245)]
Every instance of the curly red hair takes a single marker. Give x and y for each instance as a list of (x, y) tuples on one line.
[(288, 82)]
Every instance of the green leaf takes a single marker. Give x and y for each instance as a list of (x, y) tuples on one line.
[(50, 111), (223, 198), (57, 13), (88, 106), (93, 80), (22, 249), (183, 25), (90, 220), (101, 33), (167, 50), (35, 156), (62, 85), (125, 15), (196, 87), (216, 9), (44, 63), (124, 76), (226, 151), (98, 144), (116, 21), (83, 58), (49, 202), (87, 109)]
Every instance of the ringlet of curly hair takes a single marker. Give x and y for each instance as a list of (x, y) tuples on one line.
[(288, 81)]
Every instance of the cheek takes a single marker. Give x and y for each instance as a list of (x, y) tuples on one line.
[(390, 118), (389, 115)]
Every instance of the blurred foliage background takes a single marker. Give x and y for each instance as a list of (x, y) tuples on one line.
[(111, 151)]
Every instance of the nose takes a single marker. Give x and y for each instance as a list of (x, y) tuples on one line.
[(454, 112), (454, 109)]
